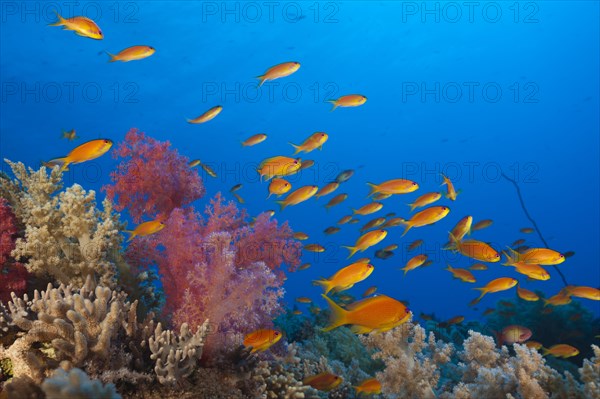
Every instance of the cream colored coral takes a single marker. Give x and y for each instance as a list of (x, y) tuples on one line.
[(76, 384), (66, 237)]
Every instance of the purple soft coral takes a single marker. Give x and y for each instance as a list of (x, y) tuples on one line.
[(13, 275)]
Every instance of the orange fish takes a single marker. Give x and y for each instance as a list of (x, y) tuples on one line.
[(261, 340), (304, 299), (527, 295), (363, 260), (345, 219), (331, 230), (70, 135), (527, 230), (462, 228), (535, 272), (300, 195), (475, 249), (346, 277), (393, 222), (85, 152), (414, 262), (462, 274), (415, 244), (327, 189), (366, 241), (314, 248), (426, 217), (350, 100), (300, 235), (378, 313), (306, 164), (380, 196), (395, 186), (368, 209), (304, 266), (372, 223), (278, 71), (561, 350), (278, 166), (584, 292), (489, 311), (513, 335), (316, 140), (336, 200), (533, 345), (297, 312), (559, 299), (369, 387), (451, 193), (455, 320), (145, 229), (323, 381), (80, 25), (482, 224), (497, 285), (207, 116), (254, 140), (369, 291), (478, 266), (279, 187), (424, 200), (132, 53), (538, 256)]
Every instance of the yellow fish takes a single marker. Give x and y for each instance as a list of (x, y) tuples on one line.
[(331, 230), (478, 266), (414, 262), (350, 100), (462, 228), (346, 277), (474, 249), (194, 163), (368, 209), (393, 222), (527, 295), (379, 313), (391, 247), (426, 217), (132, 53), (527, 230), (584, 292), (278, 71), (316, 140), (300, 236), (261, 340), (561, 350), (482, 224), (369, 387), (85, 152), (300, 195), (336, 200), (238, 198), (146, 229), (207, 116), (323, 381), (395, 186), (451, 193), (369, 291), (535, 272), (462, 274), (278, 166), (314, 248), (415, 244), (345, 219), (254, 140), (497, 285), (372, 223), (304, 299), (424, 200), (80, 25), (279, 187), (304, 266), (367, 240), (70, 135), (538, 256), (559, 299), (306, 164), (208, 170), (327, 189), (533, 345)]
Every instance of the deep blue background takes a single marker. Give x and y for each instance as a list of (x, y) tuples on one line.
[(542, 129)]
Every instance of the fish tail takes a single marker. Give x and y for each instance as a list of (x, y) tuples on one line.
[(64, 164), (261, 80), (335, 105), (445, 180), (405, 268), (338, 315), (324, 283), (476, 300), (412, 206), (269, 196), (511, 258), (131, 234), (352, 250), (297, 148), (61, 20), (113, 58), (374, 189), (282, 205), (408, 227), (454, 242), (545, 351)]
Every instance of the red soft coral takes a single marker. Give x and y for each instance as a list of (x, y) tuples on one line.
[(13, 275), (152, 179)]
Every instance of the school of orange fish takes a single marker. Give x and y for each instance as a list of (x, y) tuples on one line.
[(374, 312)]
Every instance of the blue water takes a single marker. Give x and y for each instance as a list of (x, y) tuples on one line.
[(532, 112)]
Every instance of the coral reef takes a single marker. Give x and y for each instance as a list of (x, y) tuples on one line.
[(76, 384), (13, 275), (152, 179)]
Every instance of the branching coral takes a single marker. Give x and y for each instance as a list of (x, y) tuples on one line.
[(176, 355), (76, 384), (66, 237)]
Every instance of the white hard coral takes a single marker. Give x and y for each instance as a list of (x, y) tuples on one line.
[(76, 384), (66, 237)]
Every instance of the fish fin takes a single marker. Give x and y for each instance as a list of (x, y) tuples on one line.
[(412, 206), (374, 189), (324, 283), (297, 148), (338, 315), (335, 105), (405, 268), (358, 329), (61, 20), (353, 250), (261, 79), (445, 181), (64, 164), (545, 351), (454, 242), (113, 58), (511, 258), (449, 268), (282, 205), (408, 227), (269, 196), (131, 234)]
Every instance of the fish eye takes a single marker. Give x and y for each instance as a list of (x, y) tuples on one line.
[(414, 183), (106, 141), (276, 333)]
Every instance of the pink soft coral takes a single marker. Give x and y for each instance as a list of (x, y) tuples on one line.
[(13, 275), (152, 179)]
